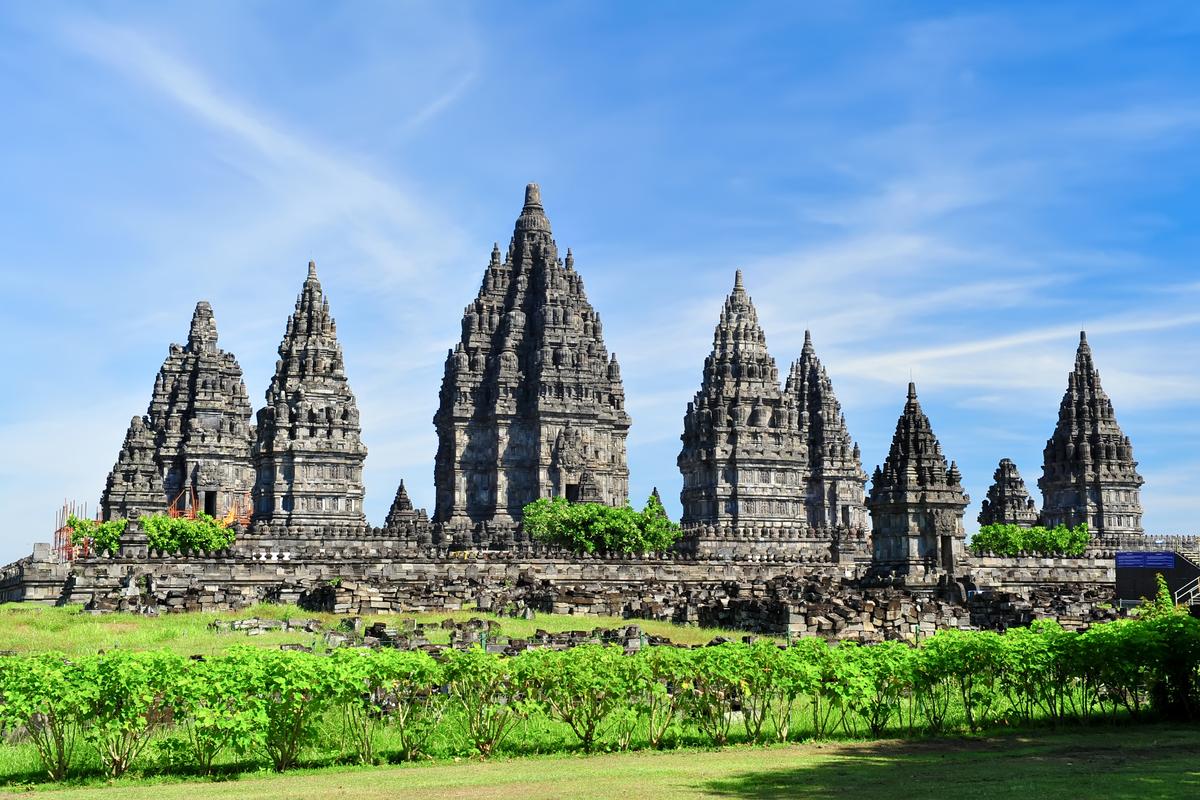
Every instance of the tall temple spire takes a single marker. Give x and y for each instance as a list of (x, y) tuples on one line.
[(917, 503), (1008, 502), (835, 494), (308, 453), (1089, 474), (531, 402), (743, 455)]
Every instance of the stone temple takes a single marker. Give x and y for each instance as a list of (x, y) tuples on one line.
[(1089, 474), (744, 458), (532, 404), (775, 514), (193, 445), (917, 503), (760, 457), (1008, 501), (836, 481), (308, 453)]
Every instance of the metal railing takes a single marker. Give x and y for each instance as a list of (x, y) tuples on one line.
[(1186, 595)]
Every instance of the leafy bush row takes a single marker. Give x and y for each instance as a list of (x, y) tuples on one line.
[(1013, 540), (275, 703), (592, 527), (164, 532)]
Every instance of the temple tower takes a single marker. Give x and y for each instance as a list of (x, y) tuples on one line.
[(531, 403), (308, 454), (743, 458), (835, 494), (917, 504), (199, 423), (402, 510), (1089, 474), (1008, 501)]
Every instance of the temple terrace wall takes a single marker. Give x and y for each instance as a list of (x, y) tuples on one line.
[(378, 575)]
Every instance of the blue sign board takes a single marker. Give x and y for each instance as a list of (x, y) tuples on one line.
[(1146, 560)]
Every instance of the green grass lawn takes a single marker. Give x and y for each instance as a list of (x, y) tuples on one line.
[(1144, 762), (31, 629)]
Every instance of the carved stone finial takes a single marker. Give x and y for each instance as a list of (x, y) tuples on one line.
[(533, 195)]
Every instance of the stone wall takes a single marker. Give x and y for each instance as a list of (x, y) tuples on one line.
[(1096, 569), (37, 578), (845, 546), (767, 581)]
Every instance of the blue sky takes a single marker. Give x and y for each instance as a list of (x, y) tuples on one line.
[(939, 190)]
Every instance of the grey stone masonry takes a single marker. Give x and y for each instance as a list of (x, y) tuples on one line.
[(917, 503), (1089, 474), (835, 493), (199, 421), (744, 459), (1008, 501), (135, 483), (309, 454), (531, 403)]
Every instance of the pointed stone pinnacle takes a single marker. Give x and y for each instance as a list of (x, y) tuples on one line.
[(912, 391), (737, 281), (312, 269)]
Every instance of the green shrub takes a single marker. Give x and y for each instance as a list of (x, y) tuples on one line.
[(174, 534), (104, 536), (1013, 540), (592, 527), (582, 686), (656, 675), (164, 532), (130, 695), (486, 690), (45, 695), (389, 687), (217, 713), (287, 691)]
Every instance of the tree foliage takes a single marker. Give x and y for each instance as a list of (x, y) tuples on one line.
[(1013, 540), (595, 527), (104, 536), (164, 532), (175, 534)]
